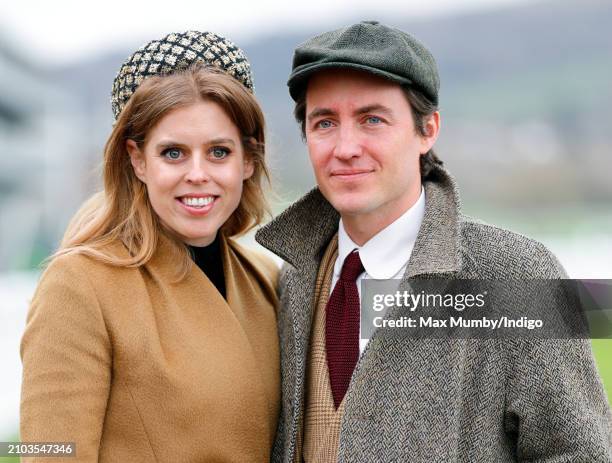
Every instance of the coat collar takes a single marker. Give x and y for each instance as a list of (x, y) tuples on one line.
[(301, 233)]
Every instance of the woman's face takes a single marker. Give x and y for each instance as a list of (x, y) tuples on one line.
[(193, 165)]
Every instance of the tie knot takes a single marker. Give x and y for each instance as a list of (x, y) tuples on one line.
[(352, 267)]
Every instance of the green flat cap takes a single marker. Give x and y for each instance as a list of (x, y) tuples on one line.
[(368, 46)]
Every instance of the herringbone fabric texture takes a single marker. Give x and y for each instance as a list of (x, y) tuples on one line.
[(342, 327)]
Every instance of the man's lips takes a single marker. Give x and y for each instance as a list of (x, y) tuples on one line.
[(350, 174)]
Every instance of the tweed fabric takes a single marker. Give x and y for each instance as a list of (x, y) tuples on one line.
[(449, 400), (321, 430), (367, 46), (342, 317), (175, 52)]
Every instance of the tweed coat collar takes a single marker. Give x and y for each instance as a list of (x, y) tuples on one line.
[(301, 233)]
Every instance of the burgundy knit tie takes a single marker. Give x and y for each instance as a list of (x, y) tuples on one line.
[(342, 327)]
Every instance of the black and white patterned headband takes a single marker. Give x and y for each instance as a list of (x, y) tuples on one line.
[(175, 52)]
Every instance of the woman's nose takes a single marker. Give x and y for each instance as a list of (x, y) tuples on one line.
[(198, 171)]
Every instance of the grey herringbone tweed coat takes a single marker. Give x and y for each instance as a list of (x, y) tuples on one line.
[(442, 400)]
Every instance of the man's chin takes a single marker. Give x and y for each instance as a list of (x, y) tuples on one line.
[(352, 208)]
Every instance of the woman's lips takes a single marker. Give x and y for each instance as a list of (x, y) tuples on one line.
[(197, 205)]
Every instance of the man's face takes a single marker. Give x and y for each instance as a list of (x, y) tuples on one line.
[(363, 145)]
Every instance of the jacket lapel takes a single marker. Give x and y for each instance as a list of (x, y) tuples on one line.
[(300, 236), (437, 249)]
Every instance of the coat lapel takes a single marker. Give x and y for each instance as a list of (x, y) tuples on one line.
[(300, 236), (437, 250)]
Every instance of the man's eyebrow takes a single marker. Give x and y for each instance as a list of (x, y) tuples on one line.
[(371, 108), (374, 108), (318, 112)]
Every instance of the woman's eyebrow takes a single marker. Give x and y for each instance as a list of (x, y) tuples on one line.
[(221, 141), (169, 143)]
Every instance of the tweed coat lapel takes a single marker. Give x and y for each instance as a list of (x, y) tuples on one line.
[(437, 249), (300, 236)]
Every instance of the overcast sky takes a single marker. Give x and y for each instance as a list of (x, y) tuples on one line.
[(60, 31)]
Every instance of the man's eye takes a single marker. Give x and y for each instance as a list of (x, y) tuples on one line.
[(172, 153), (324, 124), (219, 152), (373, 120)]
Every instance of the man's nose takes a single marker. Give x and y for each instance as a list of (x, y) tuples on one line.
[(348, 143), (197, 170)]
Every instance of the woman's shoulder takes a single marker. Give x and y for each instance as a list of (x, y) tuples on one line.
[(84, 267), (75, 287), (265, 267)]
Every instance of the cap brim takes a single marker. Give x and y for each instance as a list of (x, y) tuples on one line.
[(299, 76)]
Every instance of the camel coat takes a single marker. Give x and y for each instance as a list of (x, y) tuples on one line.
[(135, 368)]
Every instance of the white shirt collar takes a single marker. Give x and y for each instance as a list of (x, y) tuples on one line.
[(389, 250)]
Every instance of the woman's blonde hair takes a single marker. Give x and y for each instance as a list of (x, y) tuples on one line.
[(122, 211)]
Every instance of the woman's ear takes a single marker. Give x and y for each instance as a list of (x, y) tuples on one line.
[(249, 168), (249, 165), (137, 158)]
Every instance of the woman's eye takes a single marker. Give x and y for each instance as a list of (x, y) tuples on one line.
[(373, 120), (172, 153), (324, 124), (219, 152)]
